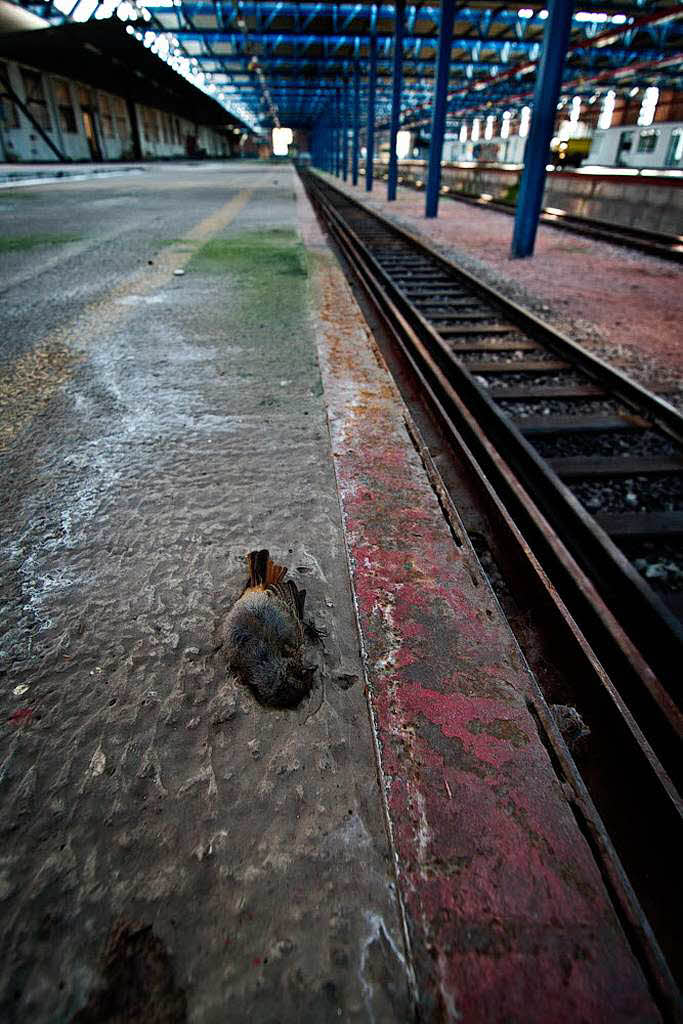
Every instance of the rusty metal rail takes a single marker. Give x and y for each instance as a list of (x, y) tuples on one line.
[(653, 243), (619, 639)]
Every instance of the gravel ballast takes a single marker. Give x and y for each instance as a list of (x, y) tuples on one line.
[(622, 305)]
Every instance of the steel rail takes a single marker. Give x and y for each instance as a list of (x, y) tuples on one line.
[(623, 614), (625, 595), (653, 243), (656, 803)]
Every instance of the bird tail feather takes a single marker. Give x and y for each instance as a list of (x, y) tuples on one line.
[(298, 597), (262, 570)]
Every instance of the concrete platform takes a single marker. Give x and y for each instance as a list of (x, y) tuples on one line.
[(22, 175), (396, 847)]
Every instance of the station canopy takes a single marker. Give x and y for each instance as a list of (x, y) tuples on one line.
[(104, 55), (283, 63)]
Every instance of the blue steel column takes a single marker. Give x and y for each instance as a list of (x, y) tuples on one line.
[(345, 132), (439, 108), (370, 142), (396, 98), (337, 136), (329, 140), (316, 147), (326, 137), (355, 157), (546, 94)]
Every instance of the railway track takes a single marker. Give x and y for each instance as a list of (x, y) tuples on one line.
[(578, 472), (654, 243)]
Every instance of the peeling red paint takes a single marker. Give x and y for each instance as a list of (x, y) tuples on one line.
[(507, 914)]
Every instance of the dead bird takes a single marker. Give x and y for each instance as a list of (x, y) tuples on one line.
[(263, 635)]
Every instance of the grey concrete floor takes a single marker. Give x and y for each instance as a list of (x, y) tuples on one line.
[(170, 848)]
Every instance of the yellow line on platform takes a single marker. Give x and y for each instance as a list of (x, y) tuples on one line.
[(35, 377)]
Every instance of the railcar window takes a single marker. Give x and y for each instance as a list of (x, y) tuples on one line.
[(647, 141), (675, 155), (65, 109), (9, 115), (35, 98)]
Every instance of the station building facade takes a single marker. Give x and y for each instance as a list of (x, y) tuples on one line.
[(89, 124), (93, 92)]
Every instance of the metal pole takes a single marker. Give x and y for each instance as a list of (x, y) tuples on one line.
[(345, 132), (330, 146), (396, 98), (370, 143), (319, 145), (439, 108), (356, 123), (337, 137), (546, 94), (331, 140)]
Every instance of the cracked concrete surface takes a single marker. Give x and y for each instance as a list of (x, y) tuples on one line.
[(162, 427)]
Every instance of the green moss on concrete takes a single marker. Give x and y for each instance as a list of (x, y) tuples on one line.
[(266, 272), (275, 253), (20, 242), (265, 279), (10, 194)]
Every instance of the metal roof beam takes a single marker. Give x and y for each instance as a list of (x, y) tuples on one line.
[(472, 104), (581, 57), (340, 40), (601, 13)]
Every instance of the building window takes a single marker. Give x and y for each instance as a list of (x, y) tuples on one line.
[(85, 97), (108, 125), (121, 117), (35, 98), (647, 142), (9, 115), (150, 124), (65, 109)]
